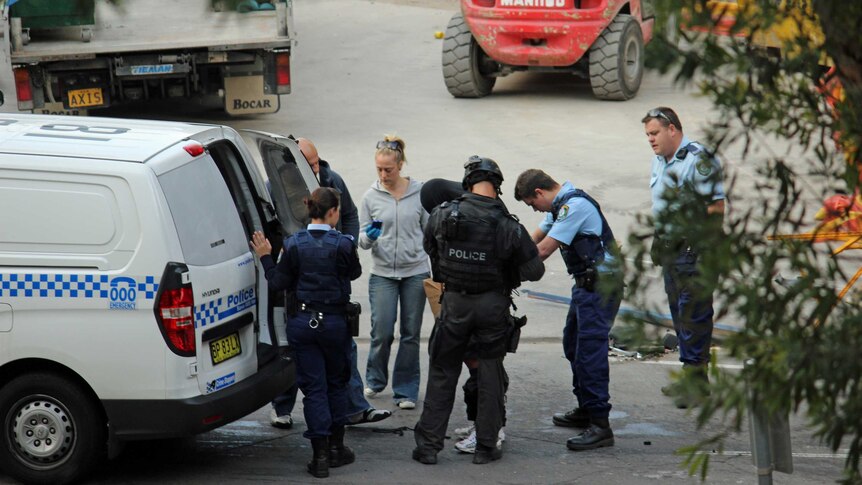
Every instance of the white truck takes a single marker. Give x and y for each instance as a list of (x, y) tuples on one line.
[(137, 50)]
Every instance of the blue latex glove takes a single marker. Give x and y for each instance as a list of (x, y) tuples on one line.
[(373, 232)]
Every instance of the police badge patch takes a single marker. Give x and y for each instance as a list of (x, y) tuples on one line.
[(704, 167), (564, 211)]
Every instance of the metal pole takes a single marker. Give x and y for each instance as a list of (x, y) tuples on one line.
[(760, 452), (758, 428)]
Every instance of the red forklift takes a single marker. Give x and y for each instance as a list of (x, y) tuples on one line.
[(602, 40)]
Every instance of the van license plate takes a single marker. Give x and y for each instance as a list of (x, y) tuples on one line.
[(225, 348), (83, 98)]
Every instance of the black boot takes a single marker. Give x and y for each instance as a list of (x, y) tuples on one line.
[(485, 455), (338, 453), (598, 435), (576, 418), (425, 456), (693, 386), (319, 464)]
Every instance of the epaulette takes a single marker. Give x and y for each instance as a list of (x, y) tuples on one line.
[(692, 148)]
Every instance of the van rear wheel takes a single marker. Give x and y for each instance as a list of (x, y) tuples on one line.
[(52, 430), (466, 67), (617, 60)]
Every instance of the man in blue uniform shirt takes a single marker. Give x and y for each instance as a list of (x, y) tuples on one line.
[(684, 172), (575, 225)]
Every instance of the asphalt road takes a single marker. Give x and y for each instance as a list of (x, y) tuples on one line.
[(648, 430), (365, 68)]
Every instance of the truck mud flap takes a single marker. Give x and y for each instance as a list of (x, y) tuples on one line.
[(244, 95)]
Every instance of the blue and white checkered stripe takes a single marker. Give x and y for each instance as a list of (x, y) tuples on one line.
[(223, 307), (65, 285), (207, 313)]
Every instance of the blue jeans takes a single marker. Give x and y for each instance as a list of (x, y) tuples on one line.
[(384, 295), (356, 402)]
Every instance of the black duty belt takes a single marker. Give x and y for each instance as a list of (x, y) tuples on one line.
[(322, 308), (681, 246)]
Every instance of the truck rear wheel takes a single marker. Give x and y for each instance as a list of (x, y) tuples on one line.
[(464, 62), (617, 60), (52, 430)]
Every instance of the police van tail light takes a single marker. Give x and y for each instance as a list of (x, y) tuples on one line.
[(175, 310), (23, 88), (282, 72)]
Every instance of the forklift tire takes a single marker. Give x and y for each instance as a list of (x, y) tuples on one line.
[(617, 60), (463, 60)]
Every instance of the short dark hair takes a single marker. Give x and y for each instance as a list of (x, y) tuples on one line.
[(530, 180), (321, 201), (665, 117)]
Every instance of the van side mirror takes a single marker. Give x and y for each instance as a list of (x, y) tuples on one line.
[(1, 98)]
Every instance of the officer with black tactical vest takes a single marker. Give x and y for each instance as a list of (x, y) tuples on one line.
[(474, 245), (574, 223)]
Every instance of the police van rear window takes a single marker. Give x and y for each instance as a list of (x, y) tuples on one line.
[(204, 214)]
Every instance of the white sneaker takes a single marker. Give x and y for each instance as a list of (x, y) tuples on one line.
[(464, 432), (468, 444), (407, 405), (369, 392), (283, 422)]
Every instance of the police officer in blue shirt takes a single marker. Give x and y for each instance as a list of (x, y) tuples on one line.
[(317, 267), (684, 172), (574, 223)]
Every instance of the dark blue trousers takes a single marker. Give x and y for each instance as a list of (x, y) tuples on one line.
[(585, 344), (356, 402), (692, 312), (322, 370)]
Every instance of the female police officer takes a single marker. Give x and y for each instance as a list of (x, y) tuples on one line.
[(317, 266)]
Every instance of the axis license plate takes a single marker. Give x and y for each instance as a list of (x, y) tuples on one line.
[(84, 98)]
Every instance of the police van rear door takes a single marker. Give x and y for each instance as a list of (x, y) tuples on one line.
[(220, 273), (291, 180)]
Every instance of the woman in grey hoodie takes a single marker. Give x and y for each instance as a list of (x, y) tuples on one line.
[(399, 266)]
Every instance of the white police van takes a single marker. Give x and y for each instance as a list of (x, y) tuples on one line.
[(131, 306)]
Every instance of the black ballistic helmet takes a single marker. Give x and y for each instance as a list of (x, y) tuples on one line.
[(479, 169)]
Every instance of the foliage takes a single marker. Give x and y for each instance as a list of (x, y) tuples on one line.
[(804, 342)]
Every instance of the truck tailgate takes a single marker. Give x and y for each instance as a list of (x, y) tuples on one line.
[(152, 25)]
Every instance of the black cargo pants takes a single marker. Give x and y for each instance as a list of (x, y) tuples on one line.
[(482, 317)]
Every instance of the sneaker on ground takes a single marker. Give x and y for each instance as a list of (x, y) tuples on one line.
[(370, 415), (407, 405), (464, 432), (369, 392), (283, 422), (468, 444)]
